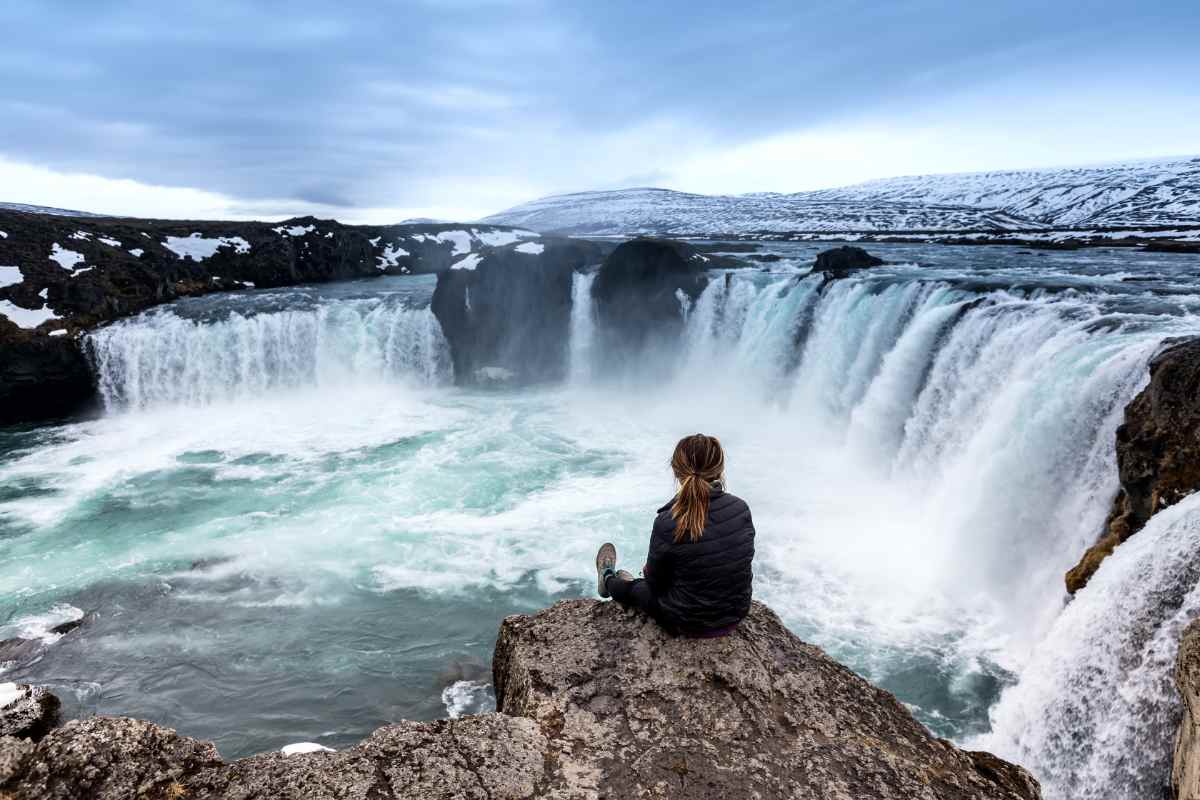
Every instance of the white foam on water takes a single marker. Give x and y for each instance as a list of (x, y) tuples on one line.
[(10, 693), (300, 748), (37, 626), (468, 697)]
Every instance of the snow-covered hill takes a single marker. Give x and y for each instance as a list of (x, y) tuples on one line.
[(57, 212), (1134, 195)]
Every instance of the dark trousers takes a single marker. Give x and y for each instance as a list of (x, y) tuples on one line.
[(634, 594)]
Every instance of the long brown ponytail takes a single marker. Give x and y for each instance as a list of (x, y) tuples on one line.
[(698, 463)]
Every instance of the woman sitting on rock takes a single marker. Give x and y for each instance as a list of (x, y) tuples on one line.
[(697, 574)]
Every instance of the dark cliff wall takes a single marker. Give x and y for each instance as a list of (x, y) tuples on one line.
[(508, 318), (1158, 451), (640, 295)]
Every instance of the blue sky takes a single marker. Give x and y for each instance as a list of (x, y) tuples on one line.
[(374, 111)]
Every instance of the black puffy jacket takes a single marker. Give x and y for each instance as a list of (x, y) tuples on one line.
[(704, 584)]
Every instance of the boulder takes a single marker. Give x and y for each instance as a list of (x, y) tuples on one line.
[(642, 294), (1158, 451), (594, 701), (27, 712), (1185, 772), (841, 262), (476, 307)]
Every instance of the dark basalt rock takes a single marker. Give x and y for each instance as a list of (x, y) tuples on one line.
[(841, 262), (41, 377), (595, 701), (477, 309), (31, 715), (640, 293), (1158, 451)]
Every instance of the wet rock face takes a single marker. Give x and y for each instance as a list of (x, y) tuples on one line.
[(41, 377), (27, 712), (595, 701), (1185, 773), (1158, 451), (641, 293), (508, 319), (840, 262)]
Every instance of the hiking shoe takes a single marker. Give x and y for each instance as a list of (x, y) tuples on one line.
[(606, 563)]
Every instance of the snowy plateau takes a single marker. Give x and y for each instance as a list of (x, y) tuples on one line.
[(1134, 196)]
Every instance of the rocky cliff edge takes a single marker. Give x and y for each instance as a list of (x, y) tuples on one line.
[(594, 701)]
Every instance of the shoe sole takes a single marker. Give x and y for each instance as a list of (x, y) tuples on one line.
[(605, 548)]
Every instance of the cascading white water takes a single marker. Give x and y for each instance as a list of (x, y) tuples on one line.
[(163, 358), (996, 413), (1095, 712), (583, 327), (926, 454)]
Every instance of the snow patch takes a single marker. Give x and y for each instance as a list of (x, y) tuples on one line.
[(109, 242), (390, 254), (501, 238), (24, 317), (59, 332), (67, 259), (460, 239), (467, 262), (136, 252), (10, 276), (533, 248), (198, 247), (305, 747), (375, 242), (295, 230), (3, 235), (82, 236)]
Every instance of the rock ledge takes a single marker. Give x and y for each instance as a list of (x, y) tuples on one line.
[(594, 701)]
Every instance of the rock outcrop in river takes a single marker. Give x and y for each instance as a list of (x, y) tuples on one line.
[(506, 317), (594, 701), (1158, 451)]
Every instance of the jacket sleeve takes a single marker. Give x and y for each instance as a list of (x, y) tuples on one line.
[(658, 562)]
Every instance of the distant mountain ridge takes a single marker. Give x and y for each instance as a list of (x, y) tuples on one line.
[(1139, 194)]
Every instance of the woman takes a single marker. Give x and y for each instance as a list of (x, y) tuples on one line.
[(697, 574)]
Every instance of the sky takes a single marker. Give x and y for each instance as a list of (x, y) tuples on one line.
[(382, 111)]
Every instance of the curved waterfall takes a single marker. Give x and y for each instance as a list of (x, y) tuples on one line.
[(996, 411), (163, 358), (964, 421)]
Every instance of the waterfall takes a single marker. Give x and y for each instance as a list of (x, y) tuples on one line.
[(163, 358), (583, 327), (995, 412), (1095, 712)]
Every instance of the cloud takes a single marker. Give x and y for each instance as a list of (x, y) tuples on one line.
[(359, 107)]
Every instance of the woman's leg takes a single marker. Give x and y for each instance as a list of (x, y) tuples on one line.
[(634, 593)]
